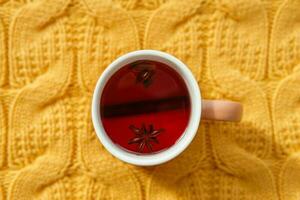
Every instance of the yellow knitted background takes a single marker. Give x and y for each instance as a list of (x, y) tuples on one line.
[(53, 51)]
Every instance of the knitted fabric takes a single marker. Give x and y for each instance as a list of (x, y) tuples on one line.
[(53, 51)]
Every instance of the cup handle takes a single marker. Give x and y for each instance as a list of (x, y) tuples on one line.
[(221, 110)]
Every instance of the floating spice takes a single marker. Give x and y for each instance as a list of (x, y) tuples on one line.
[(144, 71), (144, 137)]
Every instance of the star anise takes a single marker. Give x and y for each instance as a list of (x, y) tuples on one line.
[(144, 137), (144, 71)]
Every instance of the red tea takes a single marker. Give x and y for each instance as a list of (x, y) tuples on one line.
[(145, 107)]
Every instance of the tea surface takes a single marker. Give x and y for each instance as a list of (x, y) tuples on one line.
[(145, 107)]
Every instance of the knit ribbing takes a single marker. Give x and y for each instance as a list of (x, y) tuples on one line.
[(53, 52)]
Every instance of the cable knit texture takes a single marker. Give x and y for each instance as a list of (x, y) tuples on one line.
[(53, 51)]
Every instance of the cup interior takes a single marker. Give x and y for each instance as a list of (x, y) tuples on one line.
[(194, 118)]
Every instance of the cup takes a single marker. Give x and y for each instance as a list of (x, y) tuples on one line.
[(199, 108)]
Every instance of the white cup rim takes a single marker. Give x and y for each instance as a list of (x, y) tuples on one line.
[(195, 115)]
